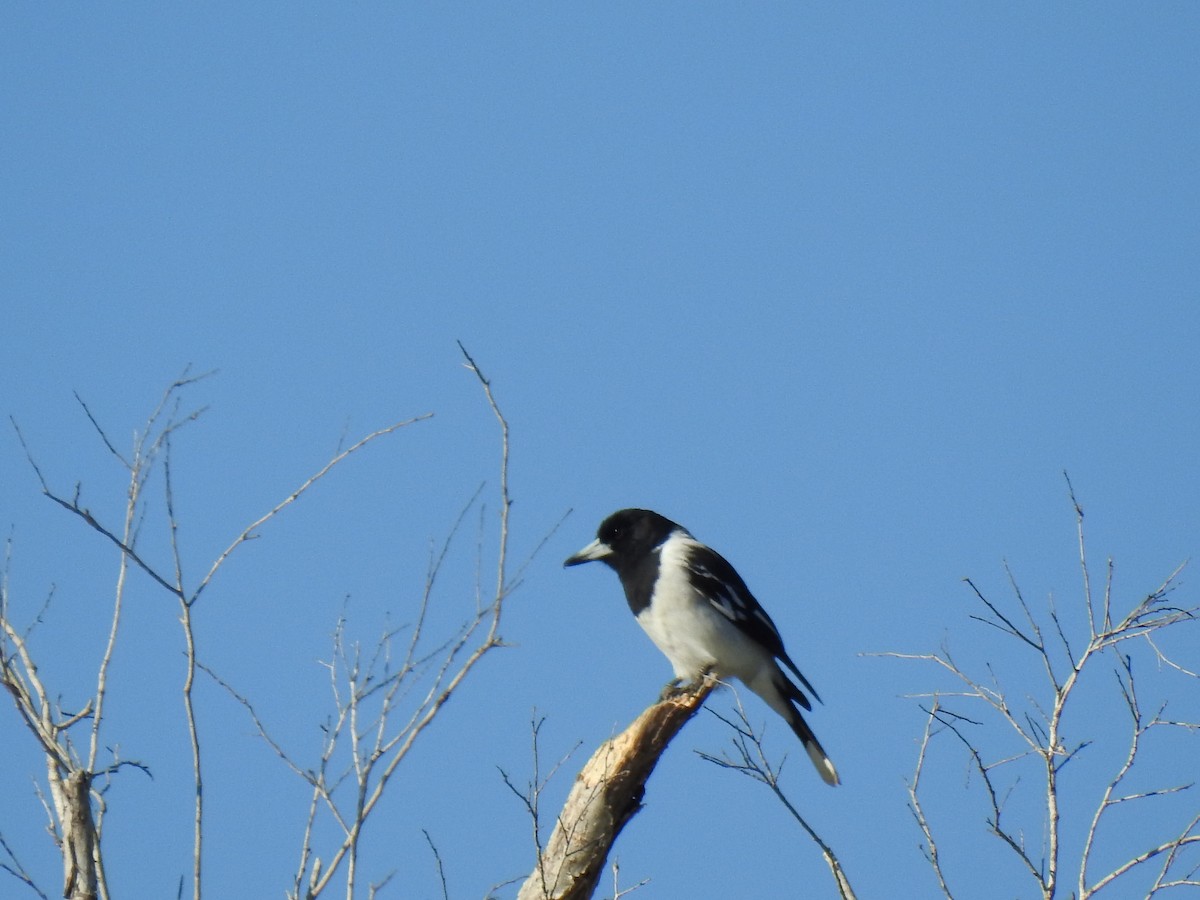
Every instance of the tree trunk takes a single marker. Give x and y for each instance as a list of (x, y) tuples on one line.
[(73, 803)]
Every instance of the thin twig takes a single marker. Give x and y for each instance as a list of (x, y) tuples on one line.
[(751, 759), (14, 868), (251, 530), (932, 855), (437, 858)]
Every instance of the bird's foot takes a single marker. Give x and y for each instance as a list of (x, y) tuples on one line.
[(673, 688), (677, 687)]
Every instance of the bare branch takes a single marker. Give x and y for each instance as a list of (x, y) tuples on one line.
[(100, 431), (14, 868), (29, 455), (1004, 624), (997, 806), (437, 858), (751, 760), (930, 850), (505, 500), (618, 893), (1089, 605), (531, 796), (250, 531), (607, 793)]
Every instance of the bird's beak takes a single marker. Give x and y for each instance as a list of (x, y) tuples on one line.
[(597, 549)]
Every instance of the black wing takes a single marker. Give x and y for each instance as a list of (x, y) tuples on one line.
[(720, 584)]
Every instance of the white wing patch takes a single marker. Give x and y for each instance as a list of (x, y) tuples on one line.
[(742, 611)]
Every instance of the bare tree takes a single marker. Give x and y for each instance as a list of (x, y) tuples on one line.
[(78, 807), (1105, 649), (384, 697)]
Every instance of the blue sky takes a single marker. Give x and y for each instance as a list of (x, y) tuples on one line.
[(842, 289)]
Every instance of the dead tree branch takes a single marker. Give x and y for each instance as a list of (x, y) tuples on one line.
[(607, 793)]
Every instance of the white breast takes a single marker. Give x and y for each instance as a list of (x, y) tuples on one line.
[(689, 630)]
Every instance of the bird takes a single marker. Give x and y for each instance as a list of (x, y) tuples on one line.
[(700, 614)]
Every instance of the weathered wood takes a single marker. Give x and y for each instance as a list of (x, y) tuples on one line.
[(608, 793), (73, 803)]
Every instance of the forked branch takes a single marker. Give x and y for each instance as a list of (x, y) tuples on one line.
[(1037, 721)]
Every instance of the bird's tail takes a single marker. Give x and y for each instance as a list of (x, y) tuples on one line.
[(783, 698), (820, 759)]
